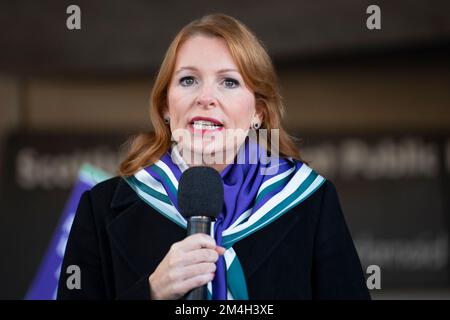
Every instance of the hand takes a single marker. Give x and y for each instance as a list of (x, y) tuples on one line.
[(189, 264)]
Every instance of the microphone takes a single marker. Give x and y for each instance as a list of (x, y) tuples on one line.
[(200, 200)]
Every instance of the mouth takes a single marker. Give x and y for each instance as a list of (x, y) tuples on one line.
[(204, 124)]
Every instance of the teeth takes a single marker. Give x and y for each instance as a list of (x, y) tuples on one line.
[(206, 125)]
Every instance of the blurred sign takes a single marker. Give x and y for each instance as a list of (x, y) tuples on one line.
[(394, 191)]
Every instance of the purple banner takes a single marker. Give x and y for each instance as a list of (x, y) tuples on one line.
[(45, 283)]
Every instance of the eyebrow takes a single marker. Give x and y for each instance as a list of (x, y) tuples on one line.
[(195, 69)]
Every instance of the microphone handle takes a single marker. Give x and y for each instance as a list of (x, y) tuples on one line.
[(198, 224)]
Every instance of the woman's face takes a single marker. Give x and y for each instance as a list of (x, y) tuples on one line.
[(208, 101)]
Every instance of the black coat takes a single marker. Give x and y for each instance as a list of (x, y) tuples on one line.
[(117, 240)]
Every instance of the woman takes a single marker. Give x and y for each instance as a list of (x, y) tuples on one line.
[(281, 233)]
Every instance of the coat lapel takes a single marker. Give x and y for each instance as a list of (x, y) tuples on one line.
[(257, 248), (140, 234), (143, 236)]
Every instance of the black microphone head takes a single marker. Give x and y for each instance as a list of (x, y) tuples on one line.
[(200, 192)]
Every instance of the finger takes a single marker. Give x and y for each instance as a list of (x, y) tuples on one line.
[(187, 285), (220, 250), (194, 270), (197, 241), (200, 255)]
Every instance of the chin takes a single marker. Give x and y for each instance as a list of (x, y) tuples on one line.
[(209, 153)]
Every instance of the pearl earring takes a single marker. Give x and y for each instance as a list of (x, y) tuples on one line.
[(256, 125), (166, 120)]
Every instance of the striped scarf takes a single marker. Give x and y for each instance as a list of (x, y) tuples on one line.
[(256, 193)]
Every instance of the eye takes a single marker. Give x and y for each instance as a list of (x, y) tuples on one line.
[(230, 83), (187, 81)]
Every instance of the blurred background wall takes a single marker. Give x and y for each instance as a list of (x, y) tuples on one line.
[(340, 81)]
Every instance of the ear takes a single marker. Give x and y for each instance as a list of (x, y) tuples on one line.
[(259, 111), (165, 112)]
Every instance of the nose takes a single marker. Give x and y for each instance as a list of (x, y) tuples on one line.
[(206, 97)]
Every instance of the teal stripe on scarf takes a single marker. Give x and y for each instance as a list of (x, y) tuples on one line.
[(133, 185), (165, 178), (271, 188), (148, 190), (236, 280)]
